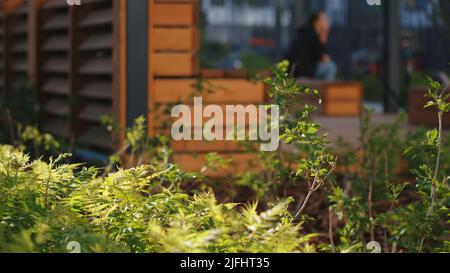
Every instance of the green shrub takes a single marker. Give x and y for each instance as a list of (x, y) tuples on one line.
[(52, 206), (47, 205)]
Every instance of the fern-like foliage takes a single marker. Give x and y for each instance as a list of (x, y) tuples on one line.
[(48, 204)]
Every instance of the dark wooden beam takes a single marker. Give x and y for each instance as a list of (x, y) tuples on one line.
[(392, 55), (137, 57)]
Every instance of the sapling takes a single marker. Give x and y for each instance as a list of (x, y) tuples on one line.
[(439, 97), (319, 164)]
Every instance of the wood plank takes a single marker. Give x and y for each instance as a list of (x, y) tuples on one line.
[(162, 116), (174, 14), (54, 4), (20, 46), (240, 163), (98, 18), (56, 43), (94, 112), (193, 146), (346, 92), (57, 22), (236, 74), (175, 39), (97, 42), (342, 108), (97, 90), (20, 65), (58, 107), (226, 91), (174, 64), (20, 28), (56, 65), (212, 73), (58, 86), (103, 66)]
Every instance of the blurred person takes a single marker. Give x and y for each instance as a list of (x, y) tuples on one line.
[(308, 55)]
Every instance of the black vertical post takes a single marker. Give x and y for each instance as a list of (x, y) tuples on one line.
[(137, 66), (278, 32), (392, 57), (300, 14)]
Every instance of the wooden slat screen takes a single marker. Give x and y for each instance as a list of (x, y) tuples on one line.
[(94, 43), (16, 46), (54, 67), (15, 57), (175, 38)]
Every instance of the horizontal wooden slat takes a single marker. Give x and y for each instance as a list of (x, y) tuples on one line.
[(175, 39), (346, 92), (212, 73), (95, 1), (342, 108), (338, 98), (97, 67), (101, 17), (57, 43), (174, 14), (54, 4), (236, 73), (97, 42), (195, 163), (227, 91), (95, 112), (205, 146), (20, 28), (59, 86), (57, 107), (56, 22), (97, 90), (20, 65), (56, 65), (162, 116), (20, 46), (174, 64)]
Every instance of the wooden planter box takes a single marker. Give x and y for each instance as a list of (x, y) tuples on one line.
[(420, 116), (190, 155), (338, 98)]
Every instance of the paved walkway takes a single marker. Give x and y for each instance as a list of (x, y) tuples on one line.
[(349, 127)]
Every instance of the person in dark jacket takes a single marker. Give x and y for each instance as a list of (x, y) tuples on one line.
[(308, 55)]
